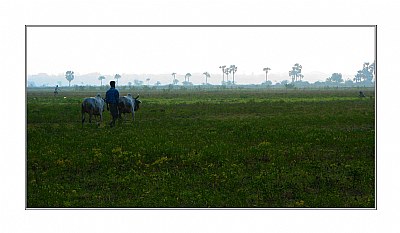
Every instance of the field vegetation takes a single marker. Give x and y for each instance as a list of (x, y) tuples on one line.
[(198, 149)]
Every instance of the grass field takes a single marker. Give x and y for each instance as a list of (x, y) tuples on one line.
[(195, 149)]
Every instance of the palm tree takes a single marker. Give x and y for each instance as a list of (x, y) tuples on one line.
[(368, 71), (173, 77), (292, 73), (266, 73), (298, 68), (207, 76), (69, 75), (117, 76), (223, 72), (233, 69), (372, 68), (296, 72), (187, 77), (358, 76), (101, 80), (227, 71)]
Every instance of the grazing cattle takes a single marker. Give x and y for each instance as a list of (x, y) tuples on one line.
[(361, 94), (128, 104), (93, 106)]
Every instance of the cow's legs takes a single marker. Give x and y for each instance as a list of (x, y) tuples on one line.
[(101, 119), (83, 118), (90, 116)]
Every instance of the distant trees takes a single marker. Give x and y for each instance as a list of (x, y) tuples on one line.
[(348, 82), (284, 82), (69, 75), (233, 69), (266, 73), (292, 74), (187, 79), (366, 75), (207, 75), (363, 77), (174, 80), (267, 83), (223, 73), (358, 77), (296, 72), (289, 85), (335, 78), (368, 71), (226, 71), (138, 82), (117, 77), (227, 75), (101, 80)]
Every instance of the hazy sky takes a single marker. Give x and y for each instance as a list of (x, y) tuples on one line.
[(155, 50)]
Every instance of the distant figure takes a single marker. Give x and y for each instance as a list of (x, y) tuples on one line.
[(112, 97), (361, 94), (56, 91)]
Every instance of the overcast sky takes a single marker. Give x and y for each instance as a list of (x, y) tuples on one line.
[(157, 50)]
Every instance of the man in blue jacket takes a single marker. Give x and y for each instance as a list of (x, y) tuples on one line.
[(112, 97)]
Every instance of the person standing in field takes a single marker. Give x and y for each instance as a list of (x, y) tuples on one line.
[(112, 97), (56, 91)]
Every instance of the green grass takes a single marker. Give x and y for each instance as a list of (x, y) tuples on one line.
[(226, 148)]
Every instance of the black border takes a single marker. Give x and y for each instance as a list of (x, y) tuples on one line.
[(198, 26)]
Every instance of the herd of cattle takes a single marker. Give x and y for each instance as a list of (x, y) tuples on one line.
[(95, 106)]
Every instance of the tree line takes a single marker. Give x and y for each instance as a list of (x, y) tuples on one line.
[(363, 76)]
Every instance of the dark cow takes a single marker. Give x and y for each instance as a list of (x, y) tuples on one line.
[(128, 104), (93, 106)]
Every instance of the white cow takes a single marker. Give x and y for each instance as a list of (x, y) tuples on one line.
[(93, 106), (128, 104)]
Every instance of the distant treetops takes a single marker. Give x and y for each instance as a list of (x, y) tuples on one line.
[(69, 75), (365, 75), (226, 71), (295, 73)]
